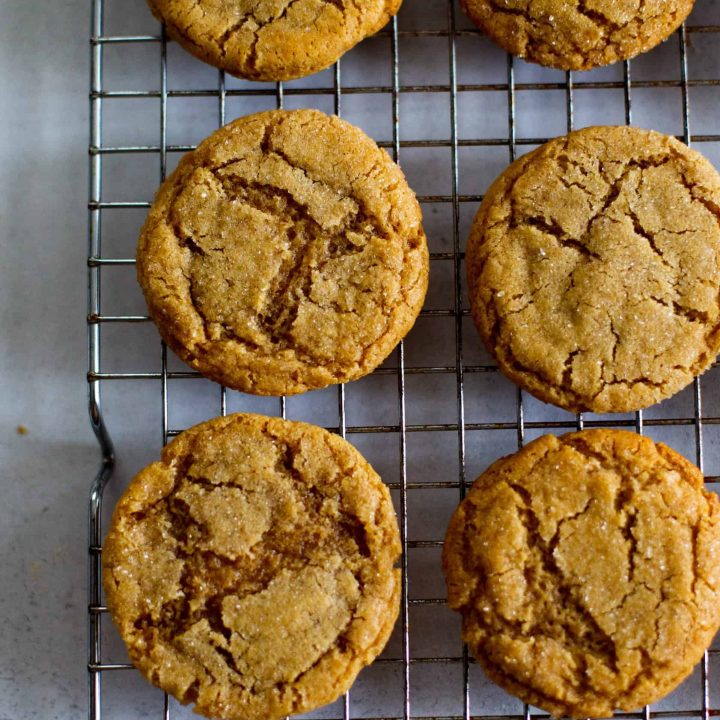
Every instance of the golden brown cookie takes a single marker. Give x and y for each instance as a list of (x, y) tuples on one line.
[(285, 254), (272, 39), (587, 571), (577, 35), (594, 269), (251, 570)]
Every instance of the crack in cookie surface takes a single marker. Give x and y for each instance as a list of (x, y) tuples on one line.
[(299, 249), (252, 570), (586, 570), (577, 35), (594, 269)]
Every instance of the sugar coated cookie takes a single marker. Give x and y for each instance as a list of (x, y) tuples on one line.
[(587, 571), (251, 570), (272, 39), (577, 35), (594, 269), (285, 254)]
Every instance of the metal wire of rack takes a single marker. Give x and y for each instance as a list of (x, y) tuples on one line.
[(695, 423)]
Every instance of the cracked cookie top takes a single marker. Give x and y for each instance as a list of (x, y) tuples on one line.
[(587, 571), (272, 39), (594, 269), (251, 570), (285, 254), (577, 34)]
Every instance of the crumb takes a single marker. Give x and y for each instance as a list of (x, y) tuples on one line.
[(22, 430)]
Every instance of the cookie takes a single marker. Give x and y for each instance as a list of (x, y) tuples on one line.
[(594, 269), (577, 35), (285, 254), (251, 570), (271, 39), (587, 571)]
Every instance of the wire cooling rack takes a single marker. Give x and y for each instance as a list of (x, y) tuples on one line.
[(453, 110)]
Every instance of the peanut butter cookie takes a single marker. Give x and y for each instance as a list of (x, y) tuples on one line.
[(272, 39), (587, 571), (251, 570), (285, 254), (577, 35), (594, 269)]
